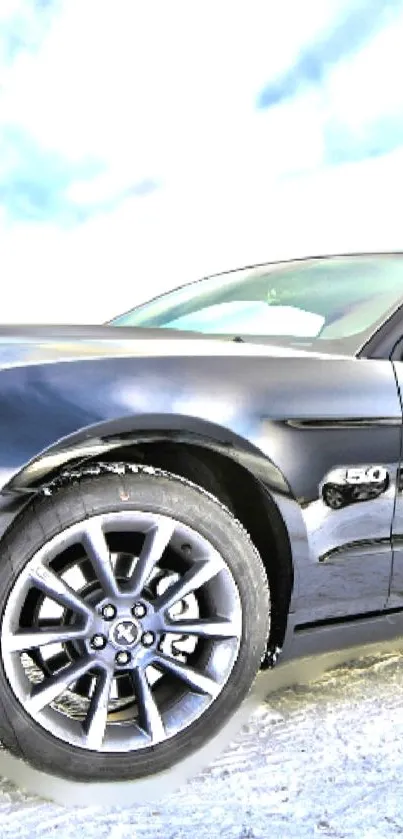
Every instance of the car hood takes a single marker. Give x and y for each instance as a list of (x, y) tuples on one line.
[(26, 345)]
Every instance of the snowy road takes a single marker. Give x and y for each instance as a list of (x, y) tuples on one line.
[(323, 759)]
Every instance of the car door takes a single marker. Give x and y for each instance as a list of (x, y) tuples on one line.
[(395, 599)]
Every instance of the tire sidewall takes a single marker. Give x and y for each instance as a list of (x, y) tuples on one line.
[(164, 495)]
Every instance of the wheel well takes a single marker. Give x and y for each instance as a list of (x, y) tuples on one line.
[(247, 499)]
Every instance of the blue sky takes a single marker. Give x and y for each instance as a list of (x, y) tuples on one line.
[(144, 144)]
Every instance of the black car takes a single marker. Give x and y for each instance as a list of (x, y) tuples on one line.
[(209, 481)]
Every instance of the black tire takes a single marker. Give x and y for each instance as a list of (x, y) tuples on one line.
[(149, 491)]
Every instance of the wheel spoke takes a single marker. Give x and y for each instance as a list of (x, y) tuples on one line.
[(55, 588), (150, 717), (195, 680), (95, 724), (30, 638), (156, 540), (201, 573), (48, 690), (214, 628), (98, 552)]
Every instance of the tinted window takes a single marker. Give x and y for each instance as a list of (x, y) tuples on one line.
[(320, 299)]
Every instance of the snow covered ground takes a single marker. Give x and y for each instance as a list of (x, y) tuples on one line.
[(322, 759)]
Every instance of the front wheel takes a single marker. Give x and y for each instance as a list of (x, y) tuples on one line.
[(134, 614)]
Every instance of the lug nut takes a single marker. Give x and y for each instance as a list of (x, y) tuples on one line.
[(108, 612), (139, 610), (147, 639), (98, 642), (122, 658)]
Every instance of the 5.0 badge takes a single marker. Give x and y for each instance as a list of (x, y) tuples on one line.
[(354, 484)]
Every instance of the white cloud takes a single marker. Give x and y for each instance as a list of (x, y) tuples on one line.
[(168, 91), (368, 85)]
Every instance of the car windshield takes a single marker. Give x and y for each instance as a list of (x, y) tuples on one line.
[(320, 299)]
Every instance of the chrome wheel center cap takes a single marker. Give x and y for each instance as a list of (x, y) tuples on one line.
[(125, 633)]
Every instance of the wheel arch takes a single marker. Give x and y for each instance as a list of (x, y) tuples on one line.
[(221, 462)]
